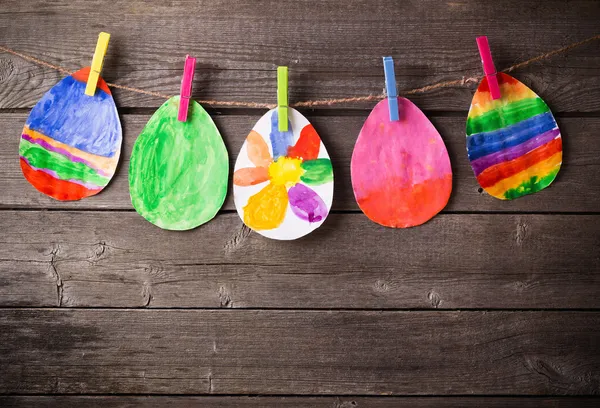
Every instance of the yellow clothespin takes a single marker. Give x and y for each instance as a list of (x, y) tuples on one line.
[(97, 61)]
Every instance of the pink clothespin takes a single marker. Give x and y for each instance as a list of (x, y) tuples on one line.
[(488, 66), (186, 88)]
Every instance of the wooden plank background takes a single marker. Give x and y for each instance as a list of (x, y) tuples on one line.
[(491, 303)]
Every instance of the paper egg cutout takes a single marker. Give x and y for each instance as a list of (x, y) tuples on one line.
[(514, 144), (71, 142), (401, 174), (179, 170), (283, 181)]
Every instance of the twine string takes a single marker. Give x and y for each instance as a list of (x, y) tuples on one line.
[(320, 102)]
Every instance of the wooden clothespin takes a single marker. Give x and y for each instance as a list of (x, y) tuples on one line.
[(390, 87), (282, 98), (488, 67), (97, 61), (186, 88)]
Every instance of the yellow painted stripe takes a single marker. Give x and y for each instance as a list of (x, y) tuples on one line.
[(540, 169), (482, 102), (106, 164)]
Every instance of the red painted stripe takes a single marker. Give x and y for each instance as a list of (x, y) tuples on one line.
[(60, 189), (82, 76), (500, 171), (502, 79)]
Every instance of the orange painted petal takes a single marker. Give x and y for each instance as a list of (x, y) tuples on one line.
[(250, 176), (266, 209), (308, 144), (258, 151)]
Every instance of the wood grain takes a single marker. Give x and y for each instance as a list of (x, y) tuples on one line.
[(577, 188), (300, 352), (99, 308), (333, 51), (295, 402), (105, 259)]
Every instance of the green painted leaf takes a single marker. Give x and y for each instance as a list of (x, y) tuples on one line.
[(179, 170)]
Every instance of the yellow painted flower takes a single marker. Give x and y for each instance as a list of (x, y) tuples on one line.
[(289, 172)]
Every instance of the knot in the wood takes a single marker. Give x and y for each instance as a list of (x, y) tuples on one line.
[(521, 232), (434, 298), (520, 286), (381, 286), (6, 69), (155, 271), (237, 240), (345, 404), (146, 294), (99, 249), (560, 380), (225, 297)]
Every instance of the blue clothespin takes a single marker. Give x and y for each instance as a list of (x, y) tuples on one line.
[(390, 87)]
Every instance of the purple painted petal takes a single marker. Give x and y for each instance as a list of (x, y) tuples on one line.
[(306, 204)]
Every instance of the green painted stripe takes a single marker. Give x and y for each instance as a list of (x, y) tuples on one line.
[(65, 169), (533, 185), (506, 115), (318, 171)]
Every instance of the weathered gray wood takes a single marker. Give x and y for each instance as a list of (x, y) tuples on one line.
[(333, 50), (295, 402), (110, 259), (577, 188), (300, 352), (116, 259)]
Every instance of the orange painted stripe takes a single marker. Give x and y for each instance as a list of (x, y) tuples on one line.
[(540, 169), (501, 171), (106, 164), (511, 90), (56, 188)]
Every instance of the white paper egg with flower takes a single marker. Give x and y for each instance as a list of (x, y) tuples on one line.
[(283, 181)]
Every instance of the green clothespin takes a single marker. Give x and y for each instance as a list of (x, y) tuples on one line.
[(282, 98)]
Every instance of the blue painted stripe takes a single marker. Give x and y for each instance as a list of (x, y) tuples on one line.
[(67, 115), (482, 144)]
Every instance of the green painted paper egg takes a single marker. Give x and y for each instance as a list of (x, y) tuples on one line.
[(179, 170)]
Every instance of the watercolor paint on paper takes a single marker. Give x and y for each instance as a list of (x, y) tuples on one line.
[(71, 142), (283, 181), (179, 171), (401, 174), (514, 144)]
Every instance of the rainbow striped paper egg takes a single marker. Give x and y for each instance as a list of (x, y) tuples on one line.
[(71, 142), (514, 143)]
